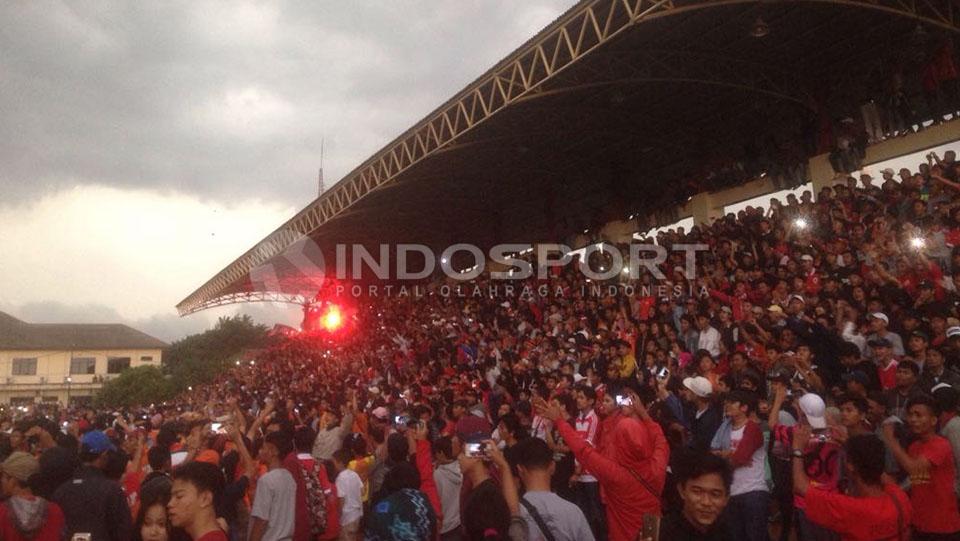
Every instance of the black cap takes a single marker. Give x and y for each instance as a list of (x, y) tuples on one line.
[(879, 343)]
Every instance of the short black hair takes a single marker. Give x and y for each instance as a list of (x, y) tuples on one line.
[(282, 441), (909, 365), (401, 476), (303, 439), (696, 464), (948, 398), (533, 454), (512, 423), (924, 400), (397, 447), (744, 398), (158, 457), (204, 476), (865, 453), (444, 444), (343, 455), (588, 392), (857, 402), (849, 349)]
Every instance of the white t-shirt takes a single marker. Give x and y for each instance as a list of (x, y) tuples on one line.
[(752, 477), (276, 501), (350, 489), (565, 520)]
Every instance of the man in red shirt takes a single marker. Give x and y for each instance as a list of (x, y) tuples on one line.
[(929, 462), (191, 507), (872, 509), (23, 516), (303, 442)]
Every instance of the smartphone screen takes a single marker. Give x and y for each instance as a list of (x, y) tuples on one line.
[(475, 450)]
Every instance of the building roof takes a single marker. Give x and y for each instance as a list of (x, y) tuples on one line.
[(603, 115), (16, 335)]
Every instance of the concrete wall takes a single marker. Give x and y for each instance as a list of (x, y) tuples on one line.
[(53, 367), (705, 207)]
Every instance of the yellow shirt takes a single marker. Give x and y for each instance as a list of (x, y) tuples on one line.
[(628, 364), (362, 467)]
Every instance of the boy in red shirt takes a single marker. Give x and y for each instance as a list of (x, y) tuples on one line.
[(929, 462), (872, 509), (195, 487)]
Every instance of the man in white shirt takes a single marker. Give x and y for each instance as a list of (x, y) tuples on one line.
[(709, 337), (588, 488), (878, 325), (349, 490), (274, 504), (449, 480)]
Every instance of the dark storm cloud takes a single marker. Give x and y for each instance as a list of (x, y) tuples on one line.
[(230, 100)]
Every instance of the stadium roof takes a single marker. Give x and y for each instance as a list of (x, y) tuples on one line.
[(20, 335), (599, 116)]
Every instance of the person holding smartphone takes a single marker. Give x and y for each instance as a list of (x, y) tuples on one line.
[(631, 469)]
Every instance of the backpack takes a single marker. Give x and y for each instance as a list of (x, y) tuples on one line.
[(316, 498)]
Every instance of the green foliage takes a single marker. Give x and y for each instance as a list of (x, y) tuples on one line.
[(193, 360), (140, 385), (198, 358)]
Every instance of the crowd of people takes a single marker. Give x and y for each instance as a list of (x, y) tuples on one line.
[(802, 385)]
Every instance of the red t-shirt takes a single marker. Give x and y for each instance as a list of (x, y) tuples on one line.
[(888, 376), (859, 519), (50, 531), (934, 501), (215, 535)]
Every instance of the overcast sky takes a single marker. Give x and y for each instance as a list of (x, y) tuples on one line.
[(144, 146)]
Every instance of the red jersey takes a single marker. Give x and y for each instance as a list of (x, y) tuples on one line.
[(888, 376), (51, 530), (860, 519), (215, 535), (933, 497)]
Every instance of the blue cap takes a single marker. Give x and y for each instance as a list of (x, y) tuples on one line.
[(96, 442)]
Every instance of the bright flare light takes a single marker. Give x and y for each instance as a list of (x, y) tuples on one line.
[(917, 242), (332, 320), (800, 223)]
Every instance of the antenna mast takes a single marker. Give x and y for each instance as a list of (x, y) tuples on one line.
[(321, 187)]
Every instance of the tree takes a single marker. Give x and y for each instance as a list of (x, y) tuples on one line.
[(140, 385), (199, 358)]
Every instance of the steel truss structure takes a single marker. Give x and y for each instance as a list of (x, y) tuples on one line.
[(255, 296), (523, 76)]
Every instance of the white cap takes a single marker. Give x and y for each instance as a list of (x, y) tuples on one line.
[(887, 171), (806, 257), (380, 413), (796, 298), (814, 410), (881, 315), (953, 331), (699, 386)]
